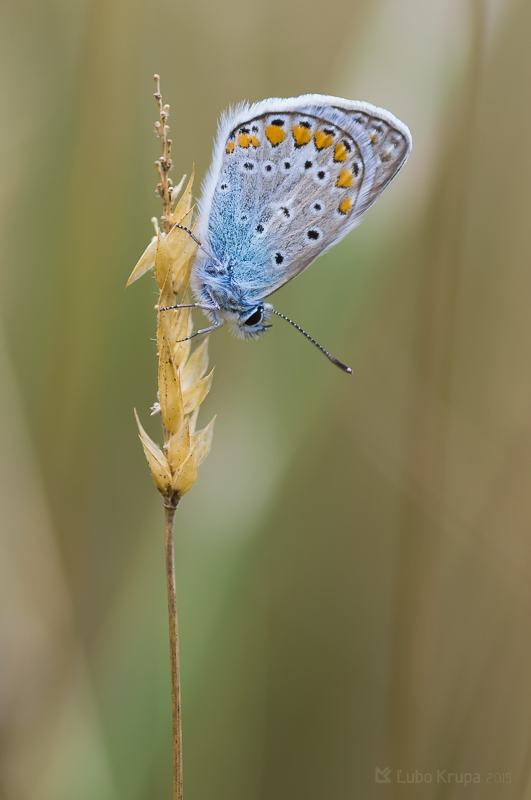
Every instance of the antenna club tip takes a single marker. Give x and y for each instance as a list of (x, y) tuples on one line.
[(348, 370)]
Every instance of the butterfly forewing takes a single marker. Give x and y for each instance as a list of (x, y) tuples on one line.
[(293, 181)]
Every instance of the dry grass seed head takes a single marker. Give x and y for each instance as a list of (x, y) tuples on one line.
[(182, 380)]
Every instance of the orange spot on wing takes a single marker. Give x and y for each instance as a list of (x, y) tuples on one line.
[(323, 139), (345, 179), (275, 134), (373, 138), (301, 135), (340, 152), (254, 141), (345, 205), (230, 147), (243, 140)]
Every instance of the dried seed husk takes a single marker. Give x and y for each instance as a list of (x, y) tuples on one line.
[(173, 324), (157, 461), (186, 475), (193, 421), (185, 202), (176, 189), (182, 267), (170, 394), (166, 299), (179, 446), (145, 262), (162, 263), (170, 247), (196, 366), (181, 328), (202, 441), (195, 394)]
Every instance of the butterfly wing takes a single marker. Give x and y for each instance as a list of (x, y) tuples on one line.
[(292, 177)]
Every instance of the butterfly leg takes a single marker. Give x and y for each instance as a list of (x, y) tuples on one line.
[(201, 332), (196, 240), (213, 309), (191, 305)]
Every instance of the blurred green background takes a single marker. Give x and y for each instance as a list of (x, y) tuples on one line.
[(354, 562)]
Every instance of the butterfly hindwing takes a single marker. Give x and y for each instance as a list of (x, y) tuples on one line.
[(292, 177)]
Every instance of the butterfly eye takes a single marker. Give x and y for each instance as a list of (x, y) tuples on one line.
[(255, 318)]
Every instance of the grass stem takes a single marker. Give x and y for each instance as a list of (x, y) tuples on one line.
[(174, 658)]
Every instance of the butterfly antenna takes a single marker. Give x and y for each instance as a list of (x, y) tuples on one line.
[(196, 240), (332, 358)]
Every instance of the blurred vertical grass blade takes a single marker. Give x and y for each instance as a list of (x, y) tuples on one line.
[(441, 269), (49, 714), (452, 701)]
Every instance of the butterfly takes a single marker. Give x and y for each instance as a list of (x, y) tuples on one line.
[(289, 178)]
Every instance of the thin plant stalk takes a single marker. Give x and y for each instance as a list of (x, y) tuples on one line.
[(174, 658)]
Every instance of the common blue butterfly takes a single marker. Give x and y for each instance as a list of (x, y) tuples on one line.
[(289, 178)]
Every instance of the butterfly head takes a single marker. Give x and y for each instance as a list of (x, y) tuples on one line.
[(247, 320), (252, 322)]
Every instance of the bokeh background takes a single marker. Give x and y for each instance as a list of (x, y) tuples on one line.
[(354, 563)]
